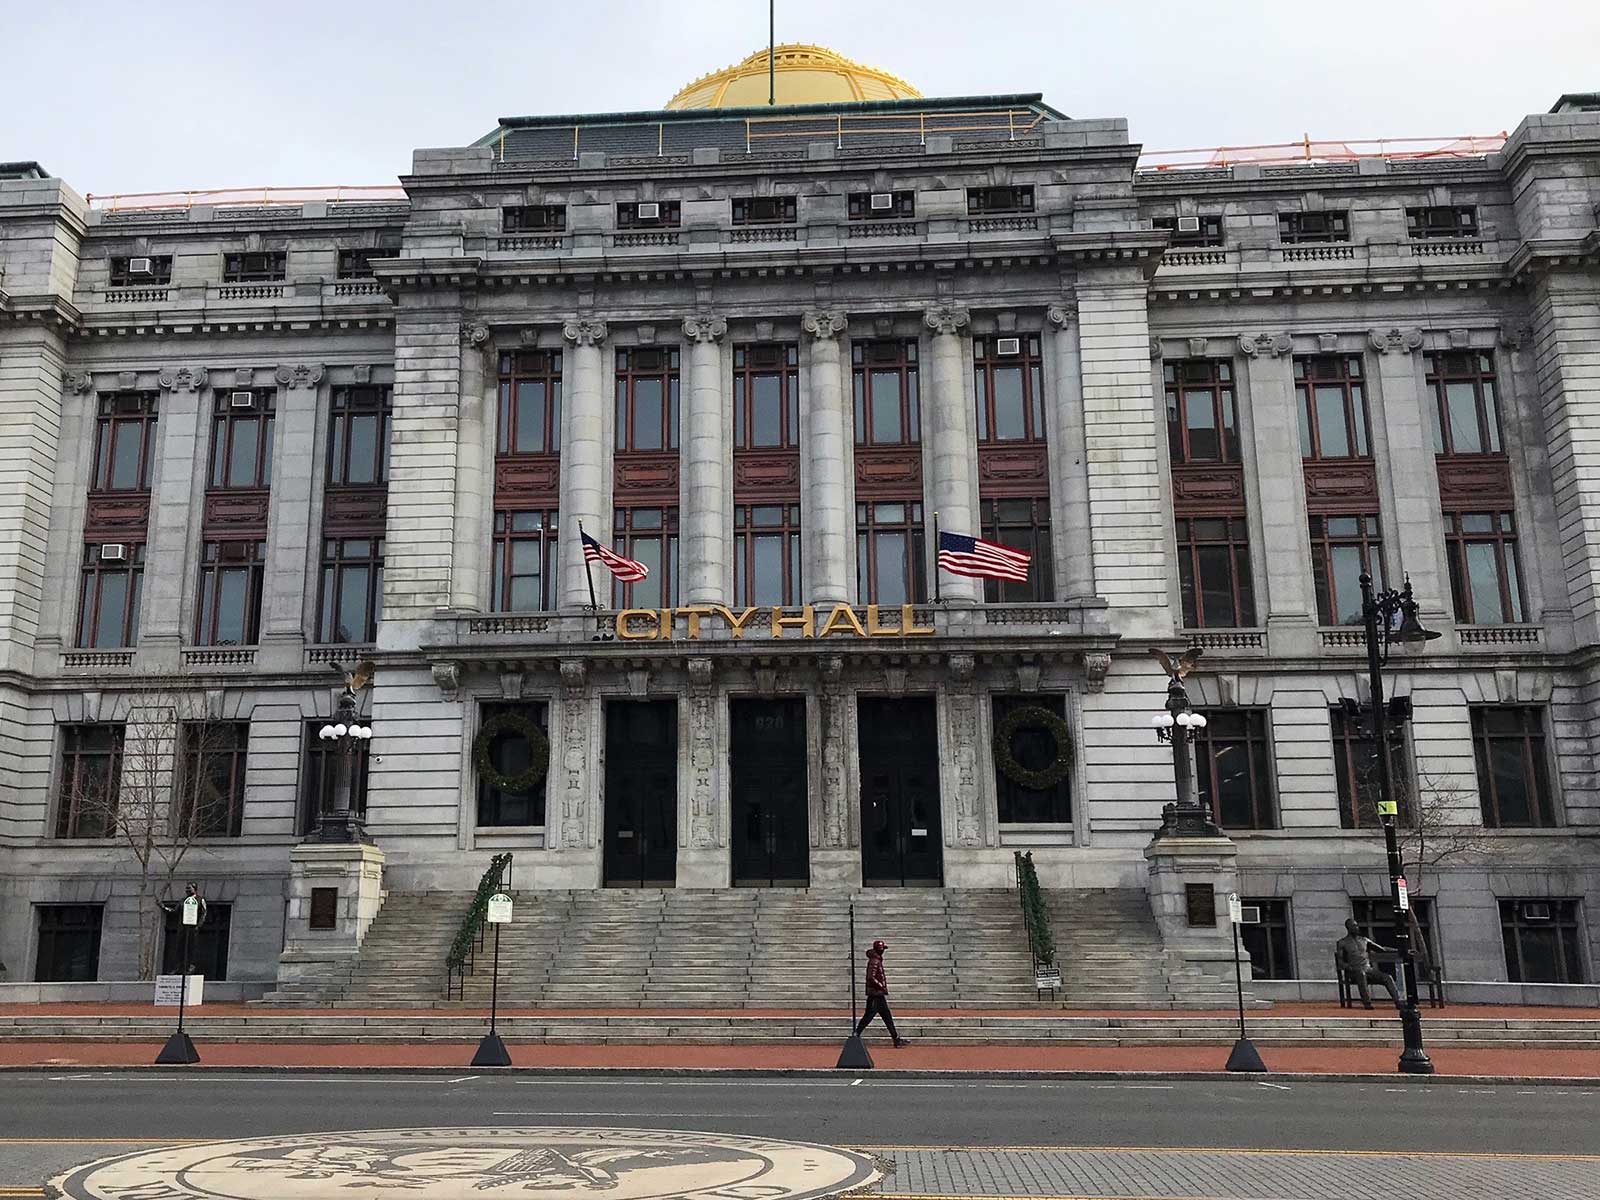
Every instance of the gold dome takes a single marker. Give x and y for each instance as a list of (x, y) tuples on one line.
[(803, 75)]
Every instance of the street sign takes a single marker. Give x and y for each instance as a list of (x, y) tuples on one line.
[(1235, 909), (191, 910), (1388, 808), (168, 988), (1047, 977), (1400, 890), (499, 909)]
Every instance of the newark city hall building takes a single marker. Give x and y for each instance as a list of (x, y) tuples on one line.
[(246, 437)]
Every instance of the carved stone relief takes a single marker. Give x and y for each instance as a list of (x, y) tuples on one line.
[(574, 750), (702, 754), (963, 704), (834, 734), (185, 379), (1389, 341)]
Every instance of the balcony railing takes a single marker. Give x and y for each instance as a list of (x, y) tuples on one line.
[(224, 656), (96, 660), (1229, 639), (1499, 635)]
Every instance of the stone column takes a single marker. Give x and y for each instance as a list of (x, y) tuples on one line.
[(704, 521), (31, 358), (583, 483), (828, 524), (289, 532), (1073, 543), (947, 420), (1283, 593), (1407, 476), (703, 857), (166, 561), (474, 472)]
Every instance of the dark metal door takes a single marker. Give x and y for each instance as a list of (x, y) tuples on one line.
[(902, 840), (641, 824), (771, 835)]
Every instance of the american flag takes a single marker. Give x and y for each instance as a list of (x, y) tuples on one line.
[(626, 569), (963, 555)]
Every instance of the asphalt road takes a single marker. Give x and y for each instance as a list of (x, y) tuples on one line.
[(53, 1120)]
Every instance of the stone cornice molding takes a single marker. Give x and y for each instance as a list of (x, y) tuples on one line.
[(824, 326), (1388, 341), (299, 375), (1269, 344), (705, 329), (1062, 315), (188, 379), (584, 331), (947, 319)]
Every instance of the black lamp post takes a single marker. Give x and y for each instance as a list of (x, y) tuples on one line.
[(343, 824), (1177, 724), (1396, 614)]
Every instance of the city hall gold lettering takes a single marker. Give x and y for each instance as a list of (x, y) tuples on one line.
[(662, 624)]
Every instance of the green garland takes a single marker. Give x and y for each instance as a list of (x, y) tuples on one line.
[(473, 921), (1035, 915), (538, 752), (1031, 716)]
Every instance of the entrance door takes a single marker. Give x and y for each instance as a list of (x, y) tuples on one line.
[(902, 841), (771, 841), (641, 827)]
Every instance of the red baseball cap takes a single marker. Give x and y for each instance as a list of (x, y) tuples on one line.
[(880, 944)]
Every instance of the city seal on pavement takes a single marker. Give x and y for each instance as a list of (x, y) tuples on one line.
[(476, 1164)]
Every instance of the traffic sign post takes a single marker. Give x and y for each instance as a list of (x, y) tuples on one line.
[(492, 1050), (179, 1050), (1245, 1057)]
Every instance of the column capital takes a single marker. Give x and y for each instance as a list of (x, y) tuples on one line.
[(1062, 315), (705, 329), (947, 318), (1269, 345), (474, 334), (186, 379), (79, 382), (584, 331), (299, 375), (824, 326), (1388, 341)]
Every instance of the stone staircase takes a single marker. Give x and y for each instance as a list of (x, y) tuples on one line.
[(764, 949)]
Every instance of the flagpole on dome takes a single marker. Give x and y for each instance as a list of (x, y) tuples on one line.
[(588, 569), (936, 548), (772, 52)]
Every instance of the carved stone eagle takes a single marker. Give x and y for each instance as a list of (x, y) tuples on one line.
[(1184, 664)]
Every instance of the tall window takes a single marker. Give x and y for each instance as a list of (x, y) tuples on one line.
[(1268, 942), (1485, 578), (69, 943), (1355, 769), (207, 945), (241, 440), (352, 590), (125, 437), (1034, 749), (108, 594), (1022, 525), (526, 553), (889, 563), (268, 267), (1543, 941), (647, 399), (766, 396), (230, 594), (650, 536), (358, 440), (1214, 573), (320, 780), (888, 412), (1466, 405), (529, 416), (91, 780), (211, 778), (511, 754), (1513, 772), (1332, 398), (1233, 765), (1342, 547), (1009, 384), (766, 554), (1202, 425)]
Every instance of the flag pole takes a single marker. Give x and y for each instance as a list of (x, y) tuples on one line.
[(936, 599), (588, 570), (772, 53)]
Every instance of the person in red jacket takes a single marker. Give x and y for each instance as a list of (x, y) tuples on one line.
[(878, 993)]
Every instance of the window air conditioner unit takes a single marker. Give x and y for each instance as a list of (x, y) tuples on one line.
[(647, 210), (1535, 910), (113, 552), (1008, 345), (1250, 914), (1188, 224), (139, 266), (241, 399), (881, 201)]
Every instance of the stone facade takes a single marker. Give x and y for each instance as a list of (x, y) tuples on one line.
[(1111, 297)]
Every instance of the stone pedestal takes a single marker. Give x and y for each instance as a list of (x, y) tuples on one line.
[(355, 872), (1174, 864)]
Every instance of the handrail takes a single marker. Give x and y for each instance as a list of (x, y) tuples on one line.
[(1312, 150), (1034, 914), (469, 938)]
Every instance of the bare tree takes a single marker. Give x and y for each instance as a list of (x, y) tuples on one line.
[(168, 778)]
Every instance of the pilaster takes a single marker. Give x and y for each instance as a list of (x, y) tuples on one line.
[(583, 481), (952, 449), (834, 817), (704, 519), (289, 531), (474, 470), (827, 521), (703, 852), (173, 509), (1070, 531)]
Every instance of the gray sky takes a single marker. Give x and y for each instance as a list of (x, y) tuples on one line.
[(122, 97)]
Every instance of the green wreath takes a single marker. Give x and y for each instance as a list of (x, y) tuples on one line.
[(538, 753), (1031, 716)]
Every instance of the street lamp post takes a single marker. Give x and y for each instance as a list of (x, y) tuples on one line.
[(343, 824), (1178, 724), (1385, 607)]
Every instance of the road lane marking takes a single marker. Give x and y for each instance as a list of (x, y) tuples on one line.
[(1282, 1087), (1254, 1152)]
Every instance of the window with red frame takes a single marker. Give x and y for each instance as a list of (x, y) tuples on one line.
[(241, 440), (352, 590), (229, 612), (528, 417), (888, 411), (108, 596), (649, 536), (766, 554), (1214, 581), (647, 399), (1485, 575), (1466, 407), (358, 437), (1202, 415), (124, 445), (1024, 525), (526, 554), (1342, 547), (1233, 764), (766, 396), (1331, 396), (889, 554), (1009, 386), (1513, 771)]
